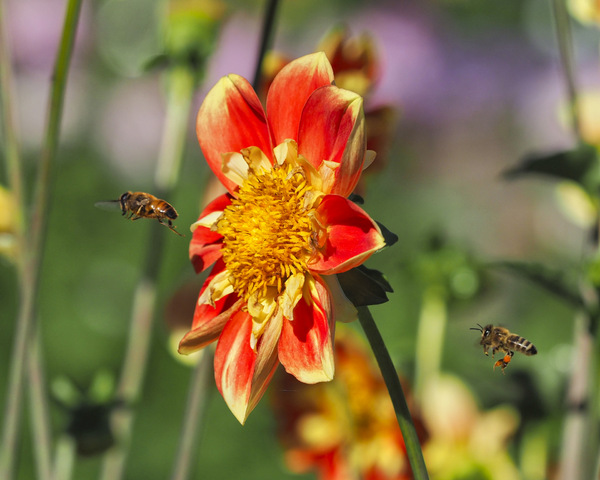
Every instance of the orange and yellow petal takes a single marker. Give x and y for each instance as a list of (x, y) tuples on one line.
[(332, 128), (352, 236), (231, 118), (209, 322), (290, 90), (241, 373)]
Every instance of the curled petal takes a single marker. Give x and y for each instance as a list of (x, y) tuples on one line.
[(234, 364), (332, 128), (352, 236), (209, 319), (305, 346), (234, 167), (231, 118), (208, 323), (205, 246), (241, 374), (343, 309), (266, 360), (290, 90), (291, 295), (217, 287)]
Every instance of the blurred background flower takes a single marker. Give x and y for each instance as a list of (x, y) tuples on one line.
[(465, 442), (346, 428), (8, 224)]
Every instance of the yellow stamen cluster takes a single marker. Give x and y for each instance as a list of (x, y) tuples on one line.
[(267, 231)]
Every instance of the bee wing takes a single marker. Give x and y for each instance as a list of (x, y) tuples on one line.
[(108, 205)]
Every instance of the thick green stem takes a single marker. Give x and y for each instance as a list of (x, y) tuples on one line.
[(33, 252), (388, 371), (180, 87)]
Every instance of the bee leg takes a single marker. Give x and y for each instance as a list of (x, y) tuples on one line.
[(172, 228), (169, 224), (504, 362)]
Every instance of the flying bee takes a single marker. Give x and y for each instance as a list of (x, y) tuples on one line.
[(144, 205), (500, 339)]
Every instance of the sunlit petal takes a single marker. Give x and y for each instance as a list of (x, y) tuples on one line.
[(332, 128), (290, 90), (352, 236), (305, 347), (231, 118), (234, 364)]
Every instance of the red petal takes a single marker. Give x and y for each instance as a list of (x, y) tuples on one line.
[(234, 364), (289, 91), (333, 128), (352, 236), (231, 118), (205, 245), (305, 346), (242, 375)]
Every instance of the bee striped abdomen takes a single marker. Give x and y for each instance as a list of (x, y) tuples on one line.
[(521, 345)]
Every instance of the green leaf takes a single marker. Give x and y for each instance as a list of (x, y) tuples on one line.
[(561, 283), (364, 286), (354, 197), (389, 237), (579, 165)]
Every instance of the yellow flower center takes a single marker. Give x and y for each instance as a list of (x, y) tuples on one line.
[(267, 231)]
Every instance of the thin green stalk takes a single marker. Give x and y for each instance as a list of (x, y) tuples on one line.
[(576, 451), (193, 416), (10, 138), (34, 247), (265, 40), (40, 423), (388, 371), (565, 46), (180, 88), (430, 337)]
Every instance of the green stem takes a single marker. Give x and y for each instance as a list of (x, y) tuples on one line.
[(33, 253), (180, 88), (565, 46), (388, 371), (265, 40), (430, 337), (577, 445), (65, 458), (10, 141), (40, 422), (192, 418)]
